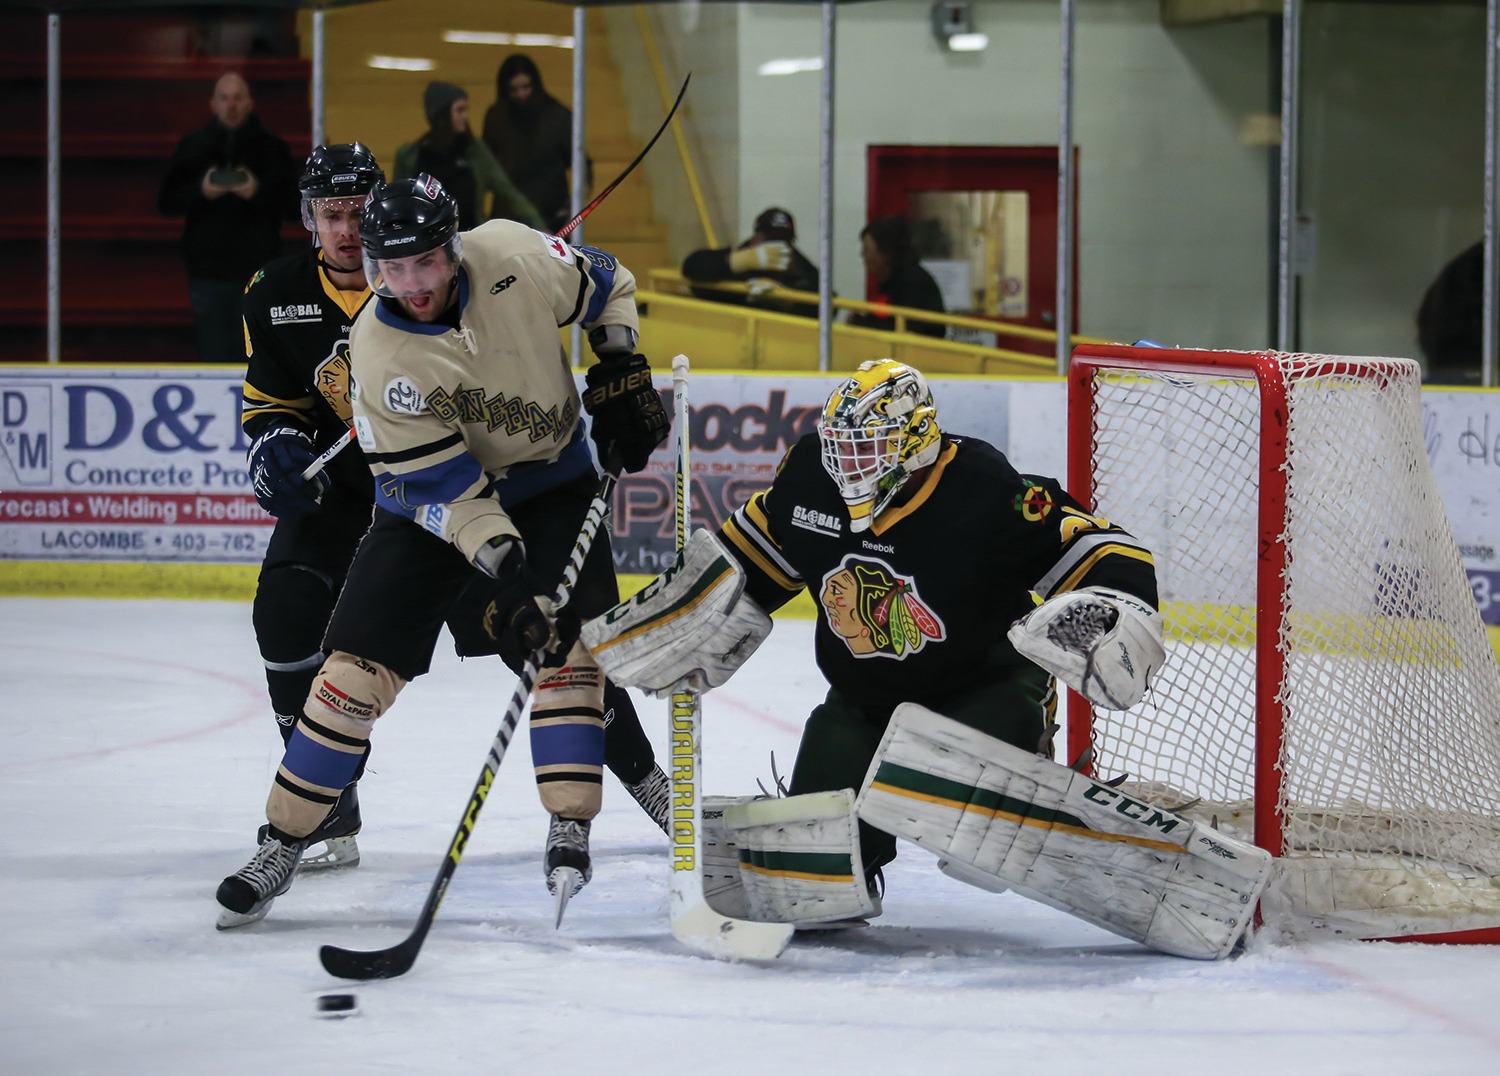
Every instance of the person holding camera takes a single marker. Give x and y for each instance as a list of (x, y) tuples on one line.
[(233, 182)]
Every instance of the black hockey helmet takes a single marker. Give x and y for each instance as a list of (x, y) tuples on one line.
[(340, 170), (405, 218)]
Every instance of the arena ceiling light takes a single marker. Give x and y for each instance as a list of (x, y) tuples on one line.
[(487, 37), (400, 63), (790, 66)]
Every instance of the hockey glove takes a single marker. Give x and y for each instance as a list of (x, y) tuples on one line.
[(277, 459), (774, 256), (1104, 644), (521, 618), (628, 418)]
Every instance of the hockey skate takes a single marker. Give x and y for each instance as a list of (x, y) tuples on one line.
[(332, 844), (654, 793), (246, 895), (567, 861)]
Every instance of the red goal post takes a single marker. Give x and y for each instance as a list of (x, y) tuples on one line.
[(1329, 690)]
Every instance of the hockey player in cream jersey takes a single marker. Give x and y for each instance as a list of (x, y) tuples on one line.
[(467, 411)]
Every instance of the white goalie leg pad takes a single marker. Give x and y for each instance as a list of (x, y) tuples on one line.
[(722, 886), (694, 623), (799, 858), (1061, 838)]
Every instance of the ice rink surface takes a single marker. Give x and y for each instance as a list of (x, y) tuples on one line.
[(136, 749)]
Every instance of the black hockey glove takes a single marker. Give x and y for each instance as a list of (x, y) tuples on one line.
[(277, 459), (629, 420), (520, 618)]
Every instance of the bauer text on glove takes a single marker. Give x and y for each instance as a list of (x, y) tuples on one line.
[(277, 459), (629, 420)]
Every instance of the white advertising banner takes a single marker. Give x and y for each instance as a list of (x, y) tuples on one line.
[(126, 465)]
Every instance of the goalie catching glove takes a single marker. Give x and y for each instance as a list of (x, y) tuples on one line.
[(693, 623), (1104, 644)]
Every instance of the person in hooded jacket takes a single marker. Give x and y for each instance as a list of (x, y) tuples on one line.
[(530, 132), (462, 163)]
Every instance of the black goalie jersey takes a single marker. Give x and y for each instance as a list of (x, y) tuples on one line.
[(297, 341), (915, 609)]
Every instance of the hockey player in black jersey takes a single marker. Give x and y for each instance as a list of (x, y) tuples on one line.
[(951, 589), (299, 312)]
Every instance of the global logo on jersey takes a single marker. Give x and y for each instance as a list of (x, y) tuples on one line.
[(292, 313), (876, 612), (810, 519)]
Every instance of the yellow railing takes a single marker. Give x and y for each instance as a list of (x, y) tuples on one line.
[(672, 282), (724, 336)]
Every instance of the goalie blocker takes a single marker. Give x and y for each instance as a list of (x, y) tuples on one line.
[(1061, 838)]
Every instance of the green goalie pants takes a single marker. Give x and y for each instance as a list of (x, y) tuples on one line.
[(840, 739)]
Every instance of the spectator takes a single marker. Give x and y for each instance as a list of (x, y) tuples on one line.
[(886, 248), (1450, 321), (461, 163), (769, 258), (530, 132), (233, 183)]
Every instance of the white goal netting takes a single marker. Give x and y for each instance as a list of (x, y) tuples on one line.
[(1329, 689)]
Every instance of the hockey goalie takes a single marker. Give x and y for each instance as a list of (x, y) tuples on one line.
[(952, 590)]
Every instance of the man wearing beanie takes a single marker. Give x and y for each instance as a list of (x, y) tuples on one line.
[(463, 164)]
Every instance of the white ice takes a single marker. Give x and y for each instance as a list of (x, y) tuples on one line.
[(136, 749)]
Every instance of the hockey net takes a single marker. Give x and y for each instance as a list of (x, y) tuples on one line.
[(1329, 690)]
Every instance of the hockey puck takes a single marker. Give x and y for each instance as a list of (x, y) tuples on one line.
[(335, 1006)]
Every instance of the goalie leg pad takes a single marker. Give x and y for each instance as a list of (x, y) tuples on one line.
[(722, 886), (799, 858), (1061, 838), (692, 623)]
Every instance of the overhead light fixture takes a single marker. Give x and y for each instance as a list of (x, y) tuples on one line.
[(487, 37), (401, 63), (953, 26), (791, 66)]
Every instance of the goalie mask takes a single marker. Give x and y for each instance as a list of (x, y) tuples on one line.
[(878, 428), (345, 170), (402, 222)]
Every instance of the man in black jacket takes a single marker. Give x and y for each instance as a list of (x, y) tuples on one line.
[(233, 183), (890, 256), (769, 258)]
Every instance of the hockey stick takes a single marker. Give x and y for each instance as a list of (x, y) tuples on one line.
[(694, 921), (328, 453), (566, 229), (398, 959)]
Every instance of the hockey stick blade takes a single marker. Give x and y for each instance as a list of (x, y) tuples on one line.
[(696, 925)]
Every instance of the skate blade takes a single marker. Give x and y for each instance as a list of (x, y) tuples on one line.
[(564, 883), (336, 852), (229, 920)]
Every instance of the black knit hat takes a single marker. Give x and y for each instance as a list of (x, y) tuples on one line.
[(776, 223), (438, 98)]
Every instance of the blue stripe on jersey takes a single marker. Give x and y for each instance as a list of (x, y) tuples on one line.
[(441, 483), (525, 480), (317, 764), (566, 745), (601, 270)]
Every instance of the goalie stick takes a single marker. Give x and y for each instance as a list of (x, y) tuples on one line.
[(694, 921), (398, 959), (562, 233)]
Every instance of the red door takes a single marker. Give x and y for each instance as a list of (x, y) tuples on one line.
[(985, 222)]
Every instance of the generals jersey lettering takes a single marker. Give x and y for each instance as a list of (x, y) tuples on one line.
[(458, 422), (297, 327), (916, 608)]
